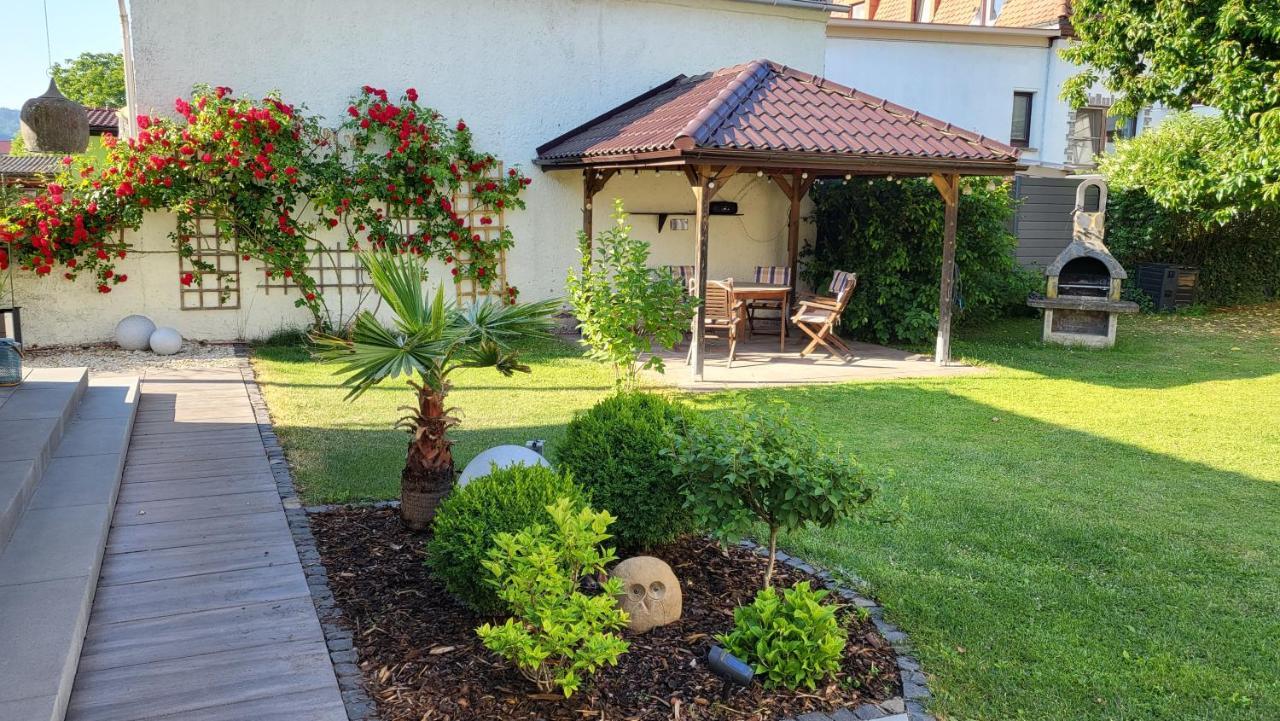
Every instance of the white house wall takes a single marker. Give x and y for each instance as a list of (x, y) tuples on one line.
[(520, 73), (970, 85)]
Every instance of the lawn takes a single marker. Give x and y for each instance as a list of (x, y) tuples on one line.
[(1087, 535)]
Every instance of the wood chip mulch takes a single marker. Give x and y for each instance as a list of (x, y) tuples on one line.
[(422, 661)]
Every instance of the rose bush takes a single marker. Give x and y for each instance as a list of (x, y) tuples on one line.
[(394, 183), (272, 177)]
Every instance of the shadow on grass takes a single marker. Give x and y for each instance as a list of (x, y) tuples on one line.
[(341, 465), (1049, 573), (1150, 352)]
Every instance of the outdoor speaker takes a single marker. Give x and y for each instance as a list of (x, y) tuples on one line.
[(724, 207)]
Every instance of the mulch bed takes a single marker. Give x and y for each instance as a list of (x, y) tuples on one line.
[(422, 661)]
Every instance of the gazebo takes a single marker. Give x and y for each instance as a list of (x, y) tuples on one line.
[(765, 118)]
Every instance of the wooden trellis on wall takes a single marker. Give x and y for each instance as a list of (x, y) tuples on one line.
[(333, 267), (216, 289), (471, 210), (337, 267)]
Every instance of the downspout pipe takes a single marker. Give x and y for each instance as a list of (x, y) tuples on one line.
[(806, 4)]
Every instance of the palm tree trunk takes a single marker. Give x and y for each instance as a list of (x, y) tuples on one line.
[(428, 471)]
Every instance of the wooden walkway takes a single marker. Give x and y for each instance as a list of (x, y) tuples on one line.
[(202, 611)]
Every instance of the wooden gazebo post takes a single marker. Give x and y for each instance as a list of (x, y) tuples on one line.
[(949, 186), (592, 182), (795, 188), (705, 183)]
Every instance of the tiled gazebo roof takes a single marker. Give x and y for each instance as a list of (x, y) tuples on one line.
[(766, 110), (102, 120)]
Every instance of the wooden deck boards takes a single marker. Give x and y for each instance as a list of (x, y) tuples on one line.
[(202, 609)]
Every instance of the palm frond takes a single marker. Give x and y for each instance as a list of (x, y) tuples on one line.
[(487, 354), (398, 278), (491, 321), (376, 353)]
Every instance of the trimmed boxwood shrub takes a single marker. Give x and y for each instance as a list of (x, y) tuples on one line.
[(616, 451), (505, 501)]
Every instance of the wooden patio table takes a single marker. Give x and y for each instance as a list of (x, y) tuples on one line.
[(768, 291)]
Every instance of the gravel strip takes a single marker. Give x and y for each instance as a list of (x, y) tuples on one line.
[(105, 358)]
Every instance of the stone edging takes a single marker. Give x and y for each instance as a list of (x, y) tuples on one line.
[(915, 687), (341, 649), (909, 707)]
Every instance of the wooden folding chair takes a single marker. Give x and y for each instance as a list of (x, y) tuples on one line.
[(819, 316), (723, 311)]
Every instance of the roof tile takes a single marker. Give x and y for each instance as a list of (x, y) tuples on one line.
[(766, 106)]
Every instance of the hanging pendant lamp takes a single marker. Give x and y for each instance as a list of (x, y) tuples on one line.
[(53, 124)]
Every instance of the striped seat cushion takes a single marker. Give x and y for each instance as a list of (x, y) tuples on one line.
[(840, 280), (775, 274)]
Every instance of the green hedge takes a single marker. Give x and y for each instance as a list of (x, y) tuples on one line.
[(890, 234), (1169, 204), (1239, 261)]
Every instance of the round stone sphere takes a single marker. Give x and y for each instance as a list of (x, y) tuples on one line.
[(166, 341), (134, 332), (500, 457)]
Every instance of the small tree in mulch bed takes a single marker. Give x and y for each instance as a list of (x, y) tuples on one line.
[(558, 634), (760, 467)]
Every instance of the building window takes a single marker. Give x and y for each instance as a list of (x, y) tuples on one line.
[(993, 11), (924, 11), (1120, 129), (1088, 135), (1020, 133)]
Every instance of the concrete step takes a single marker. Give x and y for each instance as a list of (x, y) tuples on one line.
[(49, 569), (33, 417)]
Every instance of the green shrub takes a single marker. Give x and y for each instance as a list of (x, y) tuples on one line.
[(469, 519), (791, 639), (623, 307), (1170, 204), (890, 234), (557, 634), (615, 451), (757, 467), (1239, 260)]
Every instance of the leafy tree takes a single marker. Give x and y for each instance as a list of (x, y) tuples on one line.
[(759, 467), (1220, 53), (1179, 164), (95, 80), (431, 339), (623, 306), (1164, 207)]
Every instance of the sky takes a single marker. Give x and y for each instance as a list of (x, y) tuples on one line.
[(75, 26)]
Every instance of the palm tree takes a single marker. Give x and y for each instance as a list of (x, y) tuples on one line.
[(430, 340)]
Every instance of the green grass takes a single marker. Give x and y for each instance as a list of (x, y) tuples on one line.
[(344, 451), (1088, 534)]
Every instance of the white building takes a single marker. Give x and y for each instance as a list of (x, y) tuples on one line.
[(991, 66), (521, 73)]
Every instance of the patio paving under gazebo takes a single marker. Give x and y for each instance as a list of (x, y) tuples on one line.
[(759, 363)]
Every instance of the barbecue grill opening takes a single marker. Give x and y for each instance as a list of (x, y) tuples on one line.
[(1084, 276)]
